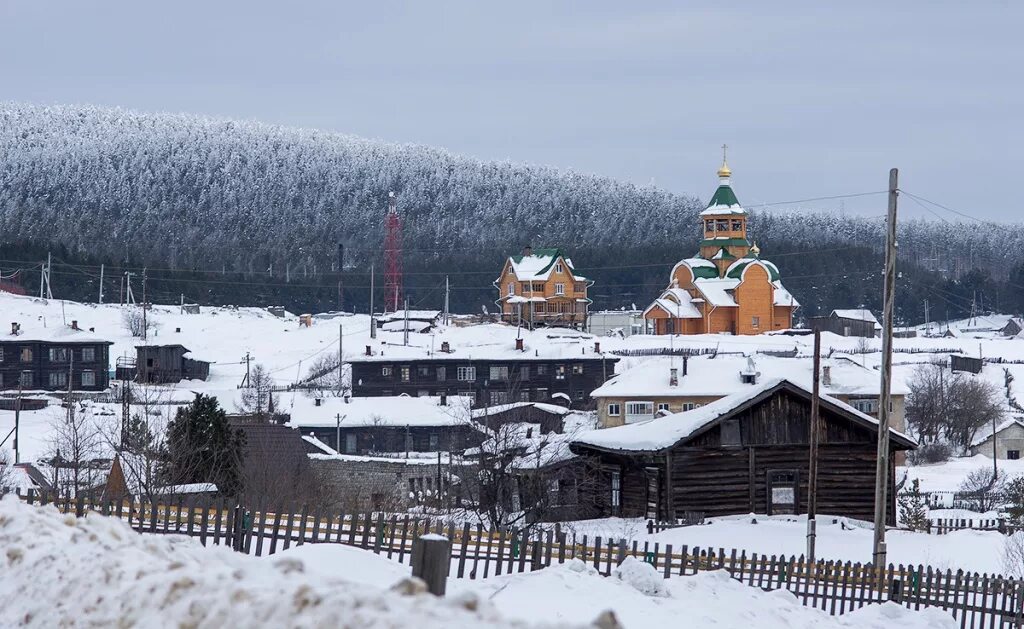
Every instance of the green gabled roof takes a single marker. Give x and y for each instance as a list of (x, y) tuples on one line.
[(540, 253), (725, 242), (736, 270), (724, 196), (722, 254), (704, 272)]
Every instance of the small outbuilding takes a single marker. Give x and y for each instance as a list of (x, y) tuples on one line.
[(1006, 441), (167, 364), (847, 322)]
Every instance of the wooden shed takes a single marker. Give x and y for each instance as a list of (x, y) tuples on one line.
[(745, 453)]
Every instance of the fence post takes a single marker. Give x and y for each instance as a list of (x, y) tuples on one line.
[(431, 557), (896, 590)]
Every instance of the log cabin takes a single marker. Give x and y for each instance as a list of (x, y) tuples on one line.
[(42, 360), (727, 286), (745, 453), (541, 287)]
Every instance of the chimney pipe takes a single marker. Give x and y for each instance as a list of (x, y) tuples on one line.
[(686, 364), (519, 344), (445, 347), (318, 402), (444, 399), (14, 327), (826, 375), (673, 378), (74, 324), (369, 352), (597, 347)]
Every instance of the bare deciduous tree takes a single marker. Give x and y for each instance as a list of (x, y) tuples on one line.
[(136, 322), (75, 445), (950, 406), (323, 376), (258, 399), (984, 487)]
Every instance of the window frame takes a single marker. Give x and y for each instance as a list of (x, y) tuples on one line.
[(560, 288), (466, 373), (92, 376), (614, 409), (89, 352)]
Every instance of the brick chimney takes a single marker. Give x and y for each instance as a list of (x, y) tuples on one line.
[(673, 377), (369, 351), (826, 375), (445, 347), (519, 344), (14, 327), (597, 347), (444, 399), (74, 324), (528, 250)]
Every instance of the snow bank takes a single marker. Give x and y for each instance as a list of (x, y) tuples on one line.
[(711, 599), (642, 576), (62, 571)]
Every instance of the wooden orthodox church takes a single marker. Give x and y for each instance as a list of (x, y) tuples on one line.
[(727, 286)]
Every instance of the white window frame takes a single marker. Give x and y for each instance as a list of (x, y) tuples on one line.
[(498, 373), (559, 288), (466, 373), (58, 354), (511, 289), (559, 268), (662, 406), (405, 373), (614, 409), (688, 406), (88, 378), (88, 354), (58, 379), (616, 487), (385, 371), (639, 410)]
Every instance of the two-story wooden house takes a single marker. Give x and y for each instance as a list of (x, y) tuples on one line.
[(491, 377), (542, 287), (46, 359)]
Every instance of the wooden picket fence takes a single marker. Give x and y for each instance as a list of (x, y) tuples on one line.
[(942, 526), (975, 600)]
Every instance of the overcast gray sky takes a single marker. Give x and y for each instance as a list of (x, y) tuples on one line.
[(813, 98)]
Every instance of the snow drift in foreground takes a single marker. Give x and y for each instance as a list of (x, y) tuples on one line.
[(96, 572)]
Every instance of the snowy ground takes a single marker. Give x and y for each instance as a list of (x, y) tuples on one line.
[(838, 538), (63, 571)]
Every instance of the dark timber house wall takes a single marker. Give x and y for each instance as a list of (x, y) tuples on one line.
[(765, 454), (527, 380), (43, 365)]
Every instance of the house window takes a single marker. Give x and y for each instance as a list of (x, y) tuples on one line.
[(541, 369), (755, 322), (350, 442), (442, 374), (558, 267), (499, 372), (579, 287), (560, 372), (559, 289), (433, 442), (662, 406), (722, 225), (542, 394), (709, 224), (1, 354), (524, 395), (1013, 455), (405, 373), (868, 406), (58, 379), (731, 432), (423, 370), (525, 287), (737, 225), (577, 368), (422, 393), (466, 373), (688, 406), (578, 394), (25, 379), (614, 410), (511, 288), (782, 486), (26, 354), (88, 354), (88, 378), (524, 372), (58, 354), (616, 497), (386, 371), (499, 397), (639, 411)]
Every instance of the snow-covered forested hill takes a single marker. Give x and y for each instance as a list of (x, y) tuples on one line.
[(254, 201)]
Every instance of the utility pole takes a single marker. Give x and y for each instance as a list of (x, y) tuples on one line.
[(927, 320), (812, 472), (17, 423), (144, 326), (337, 433), (182, 311), (882, 468), (447, 291), (129, 296), (341, 266), (44, 280), (373, 324), (245, 381), (71, 381), (122, 290), (341, 355), (405, 335), (101, 284)]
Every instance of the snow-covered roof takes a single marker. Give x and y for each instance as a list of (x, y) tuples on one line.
[(400, 326), (539, 265), (486, 342), (782, 295), (414, 315), (55, 332), (400, 410), (716, 290), (487, 411), (720, 376), (857, 314), (664, 432), (985, 433), (677, 303)]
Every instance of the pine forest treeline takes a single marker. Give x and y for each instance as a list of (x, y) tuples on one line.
[(247, 213)]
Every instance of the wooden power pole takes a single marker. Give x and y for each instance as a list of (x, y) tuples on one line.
[(884, 402), (815, 436)]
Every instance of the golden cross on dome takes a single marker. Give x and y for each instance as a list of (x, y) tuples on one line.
[(725, 148)]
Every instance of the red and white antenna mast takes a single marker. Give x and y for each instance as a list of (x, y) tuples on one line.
[(392, 257)]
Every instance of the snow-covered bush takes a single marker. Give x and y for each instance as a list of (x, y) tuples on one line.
[(642, 577)]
